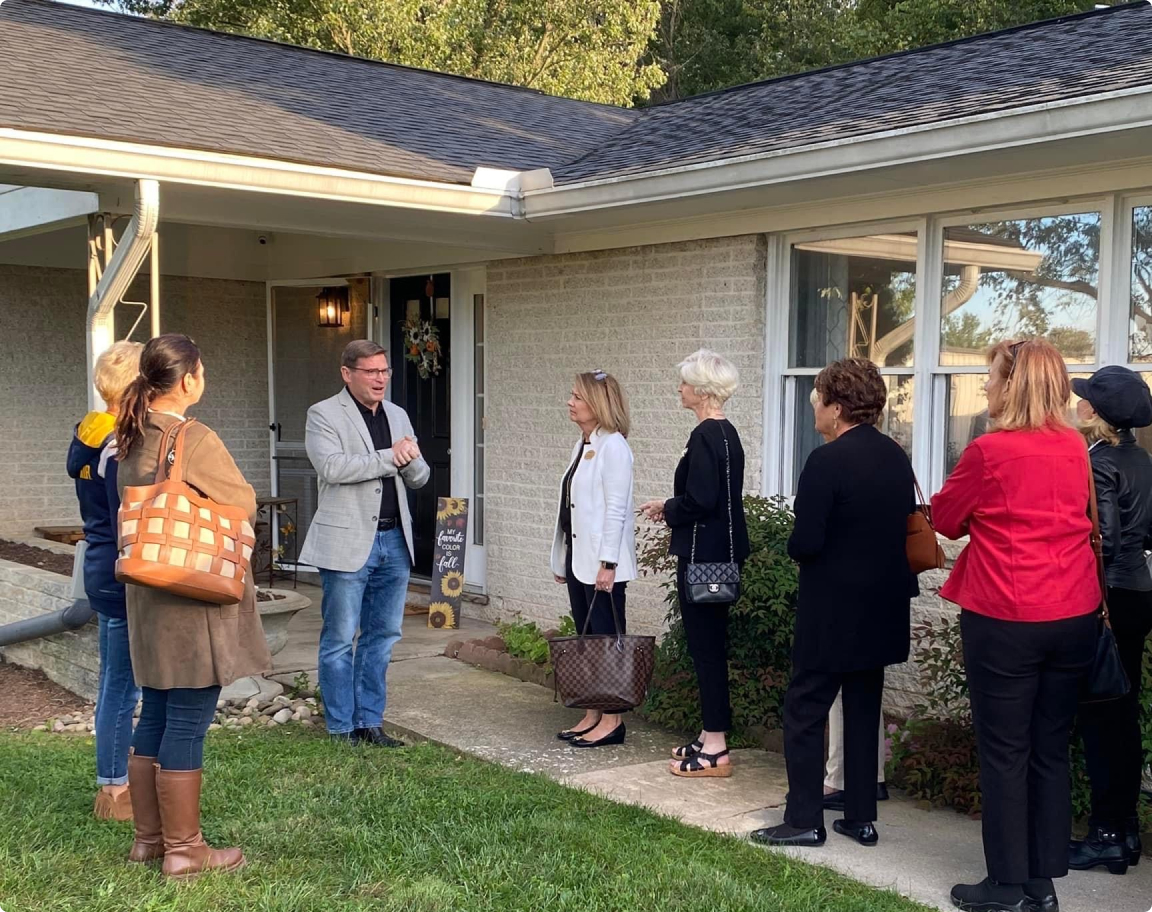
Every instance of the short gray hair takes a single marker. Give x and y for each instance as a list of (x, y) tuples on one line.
[(360, 348), (710, 374)]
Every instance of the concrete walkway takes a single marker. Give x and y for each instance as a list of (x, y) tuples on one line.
[(921, 853)]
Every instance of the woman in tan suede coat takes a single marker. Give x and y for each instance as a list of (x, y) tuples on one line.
[(183, 650)]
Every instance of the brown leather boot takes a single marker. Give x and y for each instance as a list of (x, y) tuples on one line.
[(149, 844), (108, 808), (186, 854)]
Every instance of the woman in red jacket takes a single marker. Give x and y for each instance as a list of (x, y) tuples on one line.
[(1028, 589)]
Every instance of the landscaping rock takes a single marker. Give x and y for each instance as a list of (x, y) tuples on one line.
[(453, 648), (495, 642), (284, 715)]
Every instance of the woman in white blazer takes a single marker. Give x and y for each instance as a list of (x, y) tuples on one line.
[(594, 548)]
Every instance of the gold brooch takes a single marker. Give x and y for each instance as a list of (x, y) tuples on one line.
[(588, 454)]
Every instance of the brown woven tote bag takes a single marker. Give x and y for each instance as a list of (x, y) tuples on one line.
[(609, 671), (174, 538)]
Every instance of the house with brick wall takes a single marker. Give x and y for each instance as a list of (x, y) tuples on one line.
[(912, 209)]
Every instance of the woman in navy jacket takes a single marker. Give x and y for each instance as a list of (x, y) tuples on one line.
[(91, 462)]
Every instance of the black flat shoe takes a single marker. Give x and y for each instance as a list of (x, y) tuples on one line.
[(834, 801), (863, 831), (377, 738), (570, 734), (1041, 895), (1099, 849), (990, 896), (785, 835), (616, 736)]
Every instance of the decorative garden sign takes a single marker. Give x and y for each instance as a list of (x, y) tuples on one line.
[(448, 562)]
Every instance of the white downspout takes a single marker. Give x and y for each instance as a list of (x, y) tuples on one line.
[(961, 294), (122, 269)]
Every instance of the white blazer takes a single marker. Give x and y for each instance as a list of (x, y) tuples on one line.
[(602, 524)]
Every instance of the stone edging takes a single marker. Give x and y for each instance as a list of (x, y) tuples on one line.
[(492, 654)]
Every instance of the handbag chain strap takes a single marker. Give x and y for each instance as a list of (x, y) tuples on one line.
[(1097, 543), (728, 475)]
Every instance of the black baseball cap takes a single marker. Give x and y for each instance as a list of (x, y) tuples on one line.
[(1118, 395)]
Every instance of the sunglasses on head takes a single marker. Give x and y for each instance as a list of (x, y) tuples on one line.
[(599, 376), (1013, 353)]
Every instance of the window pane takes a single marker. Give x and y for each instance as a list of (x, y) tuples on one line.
[(1028, 277), (896, 421), (1140, 329), (853, 297), (968, 414)]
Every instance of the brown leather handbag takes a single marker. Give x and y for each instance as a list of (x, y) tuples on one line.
[(924, 551), (173, 537), (609, 672)]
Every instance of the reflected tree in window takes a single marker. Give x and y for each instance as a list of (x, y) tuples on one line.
[(1140, 332)]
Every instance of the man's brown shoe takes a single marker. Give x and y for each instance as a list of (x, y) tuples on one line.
[(186, 854)]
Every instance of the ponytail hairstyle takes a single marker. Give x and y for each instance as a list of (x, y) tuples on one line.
[(164, 362)]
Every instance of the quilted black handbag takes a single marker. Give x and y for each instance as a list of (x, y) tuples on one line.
[(1106, 679), (717, 583), (605, 671)]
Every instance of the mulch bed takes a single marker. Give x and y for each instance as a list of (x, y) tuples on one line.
[(31, 699), (32, 556)]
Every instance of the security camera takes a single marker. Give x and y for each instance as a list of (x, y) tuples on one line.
[(262, 239)]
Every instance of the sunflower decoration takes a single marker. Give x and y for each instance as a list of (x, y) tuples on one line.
[(450, 506), (422, 346), (441, 614), (452, 583)]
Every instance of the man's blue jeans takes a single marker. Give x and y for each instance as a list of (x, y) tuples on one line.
[(371, 599), (115, 702)]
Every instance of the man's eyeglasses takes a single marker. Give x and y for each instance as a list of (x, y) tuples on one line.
[(384, 373)]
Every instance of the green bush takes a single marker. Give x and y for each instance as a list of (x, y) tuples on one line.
[(524, 640), (759, 630)]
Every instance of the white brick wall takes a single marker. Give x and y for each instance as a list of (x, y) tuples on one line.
[(42, 378), (635, 313)]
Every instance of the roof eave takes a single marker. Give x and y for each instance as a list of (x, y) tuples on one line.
[(1069, 118), (107, 158)]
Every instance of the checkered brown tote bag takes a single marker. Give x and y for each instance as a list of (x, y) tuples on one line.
[(610, 672), (174, 538)]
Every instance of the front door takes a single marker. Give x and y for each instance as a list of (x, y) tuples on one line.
[(420, 307)]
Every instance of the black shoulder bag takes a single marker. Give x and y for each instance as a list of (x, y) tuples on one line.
[(714, 584), (1106, 678)]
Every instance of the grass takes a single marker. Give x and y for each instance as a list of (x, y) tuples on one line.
[(419, 829)]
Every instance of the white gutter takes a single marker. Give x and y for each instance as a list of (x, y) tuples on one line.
[(85, 155), (1105, 112), (122, 268)]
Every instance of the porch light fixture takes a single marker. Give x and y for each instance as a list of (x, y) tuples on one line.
[(332, 306)]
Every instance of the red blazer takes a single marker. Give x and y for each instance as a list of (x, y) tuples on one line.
[(1022, 497)]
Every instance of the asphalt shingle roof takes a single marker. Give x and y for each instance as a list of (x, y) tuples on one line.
[(1059, 59), (66, 69)]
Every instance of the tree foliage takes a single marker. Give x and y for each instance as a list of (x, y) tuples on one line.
[(591, 49)]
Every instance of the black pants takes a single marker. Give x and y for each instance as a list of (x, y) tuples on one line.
[(583, 598), (810, 696), (706, 631), (1111, 730), (1024, 683), (173, 724)]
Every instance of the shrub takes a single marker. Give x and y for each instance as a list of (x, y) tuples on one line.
[(524, 640), (759, 629)]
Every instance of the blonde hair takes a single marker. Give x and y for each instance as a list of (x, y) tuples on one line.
[(710, 374), (606, 399), (1096, 429), (116, 368), (1038, 388)]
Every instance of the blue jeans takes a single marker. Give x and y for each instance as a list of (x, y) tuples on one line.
[(371, 599), (173, 724), (115, 702)]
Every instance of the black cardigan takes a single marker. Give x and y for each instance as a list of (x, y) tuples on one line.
[(852, 506), (700, 498)]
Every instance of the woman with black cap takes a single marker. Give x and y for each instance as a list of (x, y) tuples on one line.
[(1113, 401)]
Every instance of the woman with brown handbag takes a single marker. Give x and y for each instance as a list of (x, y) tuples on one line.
[(183, 650)]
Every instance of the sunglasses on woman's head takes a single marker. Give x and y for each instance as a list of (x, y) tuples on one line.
[(599, 376)]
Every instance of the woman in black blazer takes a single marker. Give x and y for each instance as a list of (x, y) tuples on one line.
[(852, 615), (707, 510)]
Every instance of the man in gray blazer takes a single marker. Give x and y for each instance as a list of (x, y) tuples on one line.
[(365, 456)]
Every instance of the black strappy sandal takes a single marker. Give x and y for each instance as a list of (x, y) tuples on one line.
[(701, 765), (684, 751)]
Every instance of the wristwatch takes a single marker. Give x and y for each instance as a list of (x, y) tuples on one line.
[(607, 565)]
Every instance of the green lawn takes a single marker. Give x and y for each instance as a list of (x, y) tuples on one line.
[(418, 829)]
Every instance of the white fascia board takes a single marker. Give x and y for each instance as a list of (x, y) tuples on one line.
[(34, 210), (108, 158), (1097, 114)]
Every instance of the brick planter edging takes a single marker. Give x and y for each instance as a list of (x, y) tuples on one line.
[(492, 654)]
